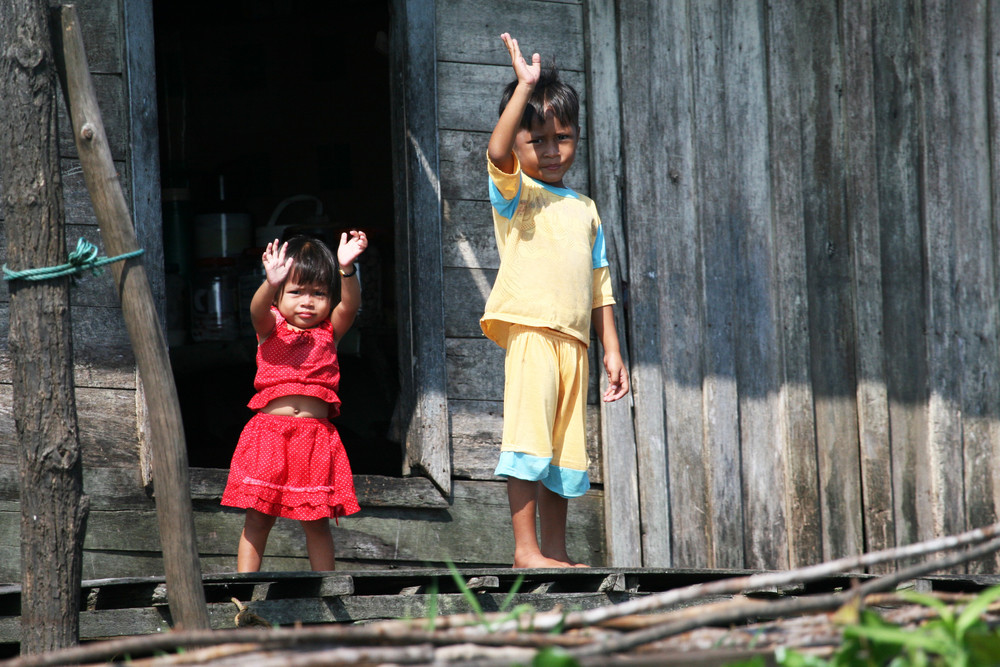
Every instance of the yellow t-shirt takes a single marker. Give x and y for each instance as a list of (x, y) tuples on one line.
[(553, 265)]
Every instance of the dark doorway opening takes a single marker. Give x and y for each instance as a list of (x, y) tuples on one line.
[(274, 119)]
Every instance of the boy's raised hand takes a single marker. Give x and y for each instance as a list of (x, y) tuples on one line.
[(276, 264), (525, 73), (351, 248)]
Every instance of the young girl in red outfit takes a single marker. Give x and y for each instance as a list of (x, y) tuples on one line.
[(290, 461)]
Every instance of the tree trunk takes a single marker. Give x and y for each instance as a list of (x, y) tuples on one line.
[(53, 508)]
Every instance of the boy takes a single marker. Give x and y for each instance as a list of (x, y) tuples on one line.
[(553, 281)]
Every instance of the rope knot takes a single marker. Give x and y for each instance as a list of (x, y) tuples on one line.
[(83, 258)]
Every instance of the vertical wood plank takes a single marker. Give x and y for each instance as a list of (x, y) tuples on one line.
[(143, 182), (679, 290), (943, 503), (993, 111), (903, 275), (758, 356), (643, 147), (973, 293), (143, 130), (797, 425), (831, 320), (863, 221), (621, 492), (721, 441), (424, 413)]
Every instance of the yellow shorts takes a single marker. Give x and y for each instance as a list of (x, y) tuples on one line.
[(544, 406)]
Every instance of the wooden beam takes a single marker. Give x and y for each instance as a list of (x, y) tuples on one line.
[(423, 415), (53, 508), (173, 501)]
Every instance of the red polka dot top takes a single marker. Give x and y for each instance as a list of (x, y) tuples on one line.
[(297, 362)]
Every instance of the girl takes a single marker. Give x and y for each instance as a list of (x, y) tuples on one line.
[(290, 461)]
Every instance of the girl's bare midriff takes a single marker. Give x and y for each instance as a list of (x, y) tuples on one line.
[(297, 406)]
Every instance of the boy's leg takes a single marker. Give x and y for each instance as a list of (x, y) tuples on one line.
[(319, 544), (523, 495), (552, 517), (250, 552), (552, 509)]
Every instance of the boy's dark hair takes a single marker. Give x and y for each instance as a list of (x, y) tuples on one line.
[(314, 262), (549, 91)]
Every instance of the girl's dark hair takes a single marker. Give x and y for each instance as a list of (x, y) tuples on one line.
[(314, 262), (551, 92)]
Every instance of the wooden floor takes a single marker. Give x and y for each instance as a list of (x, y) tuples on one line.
[(137, 606)]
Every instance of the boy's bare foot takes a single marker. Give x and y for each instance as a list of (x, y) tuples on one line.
[(538, 561)]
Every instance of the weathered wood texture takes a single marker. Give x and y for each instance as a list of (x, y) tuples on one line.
[(103, 361), (54, 511), (423, 409), (813, 277), (122, 538)]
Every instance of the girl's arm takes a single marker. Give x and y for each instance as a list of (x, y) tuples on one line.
[(344, 313), (502, 139), (604, 325), (276, 268)]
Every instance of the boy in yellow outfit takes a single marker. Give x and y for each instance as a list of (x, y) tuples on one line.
[(553, 281)]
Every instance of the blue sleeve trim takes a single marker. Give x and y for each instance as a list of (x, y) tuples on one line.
[(599, 253), (503, 206)]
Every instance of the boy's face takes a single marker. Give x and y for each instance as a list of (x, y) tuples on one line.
[(547, 150)]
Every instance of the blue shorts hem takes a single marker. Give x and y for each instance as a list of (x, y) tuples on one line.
[(566, 482)]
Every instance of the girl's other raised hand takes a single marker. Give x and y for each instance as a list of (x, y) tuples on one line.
[(276, 264), (352, 244), (525, 73)]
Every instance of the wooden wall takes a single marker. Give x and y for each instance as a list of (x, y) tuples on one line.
[(801, 203), (812, 262), (406, 522)]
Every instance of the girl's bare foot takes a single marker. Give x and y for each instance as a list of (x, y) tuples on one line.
[(537, 560)]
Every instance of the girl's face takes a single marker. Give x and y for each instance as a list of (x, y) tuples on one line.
[(547, 150), (303, 305)]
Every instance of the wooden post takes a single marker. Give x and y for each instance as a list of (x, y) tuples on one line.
[(53, 508), (170, 466)]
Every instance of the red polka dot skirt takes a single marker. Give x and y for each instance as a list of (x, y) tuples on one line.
[(291, 467)]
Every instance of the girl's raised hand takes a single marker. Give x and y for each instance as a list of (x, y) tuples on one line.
[(525, 73), (276, 264), (351, 248)]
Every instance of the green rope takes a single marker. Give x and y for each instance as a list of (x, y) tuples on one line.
[(84, 258)]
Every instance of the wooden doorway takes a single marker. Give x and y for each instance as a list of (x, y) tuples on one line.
[(264, 103)]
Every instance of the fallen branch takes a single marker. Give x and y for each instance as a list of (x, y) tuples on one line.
[(670, 598), (740, 611)]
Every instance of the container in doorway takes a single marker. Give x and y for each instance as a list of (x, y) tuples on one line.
[(214, 301)]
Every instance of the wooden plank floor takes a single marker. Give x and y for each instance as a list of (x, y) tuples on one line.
[(137, 606)]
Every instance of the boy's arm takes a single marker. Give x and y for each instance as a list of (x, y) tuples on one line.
[(604, 324), (344, 313), (502, 139)]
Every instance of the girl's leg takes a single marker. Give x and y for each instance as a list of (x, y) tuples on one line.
[(552, 516), (256, 528), (522, 495), (319, 544)]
